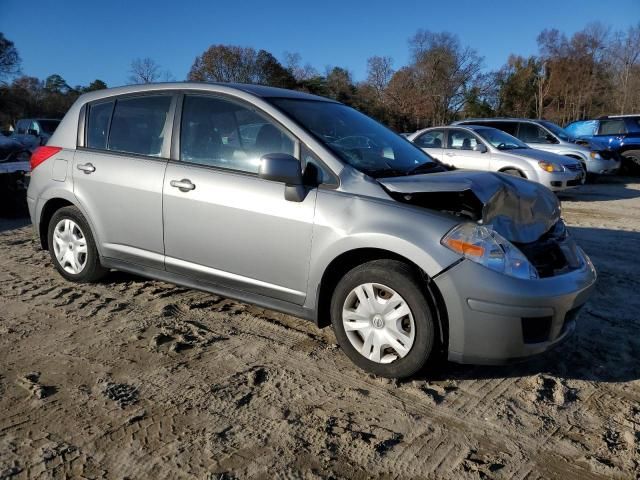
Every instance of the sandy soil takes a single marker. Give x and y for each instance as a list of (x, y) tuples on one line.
[(132, 378)]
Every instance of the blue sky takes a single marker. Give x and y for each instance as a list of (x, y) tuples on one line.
[(85, 40)]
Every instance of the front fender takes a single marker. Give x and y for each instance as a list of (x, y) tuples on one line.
[(346, 222)]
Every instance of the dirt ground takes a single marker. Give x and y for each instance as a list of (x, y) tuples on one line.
[(132, 378)]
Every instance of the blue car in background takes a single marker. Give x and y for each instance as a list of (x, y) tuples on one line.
[(618, 133)]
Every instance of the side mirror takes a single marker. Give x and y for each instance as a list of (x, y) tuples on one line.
[(284, 168), (480, 147), (33, 132)]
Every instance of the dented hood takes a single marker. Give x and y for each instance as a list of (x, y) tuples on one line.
[(518, 209)]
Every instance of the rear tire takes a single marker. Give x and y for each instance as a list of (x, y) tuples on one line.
[(391, 330), (72, 247)]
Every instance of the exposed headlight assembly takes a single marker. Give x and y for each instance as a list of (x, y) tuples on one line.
[(550, 167), (595, 155), (485, 246)]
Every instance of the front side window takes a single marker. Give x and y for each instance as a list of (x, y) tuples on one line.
[(430, 139), (22, 127), (612, 127), (139, 125), (532, 133), (461, 140), (226, 134), (98, 125), (356, 139)]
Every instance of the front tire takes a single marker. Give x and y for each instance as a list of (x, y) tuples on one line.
[(72, 247), (382, 320)]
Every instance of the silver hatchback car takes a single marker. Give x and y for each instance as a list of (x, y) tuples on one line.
[(306, 206)]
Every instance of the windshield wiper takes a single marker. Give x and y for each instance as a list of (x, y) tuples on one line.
[(386, 172)]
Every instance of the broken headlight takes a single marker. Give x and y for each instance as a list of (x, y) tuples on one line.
[(487, 247)]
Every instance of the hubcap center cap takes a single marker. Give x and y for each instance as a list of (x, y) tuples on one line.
[(377, 321)]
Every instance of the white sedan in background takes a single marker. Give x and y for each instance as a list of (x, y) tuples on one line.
[(485, 148)]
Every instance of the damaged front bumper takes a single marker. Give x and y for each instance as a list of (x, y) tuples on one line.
[(495, 319)]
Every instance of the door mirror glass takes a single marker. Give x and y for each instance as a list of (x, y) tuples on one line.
[(280, 167), (480, 147)]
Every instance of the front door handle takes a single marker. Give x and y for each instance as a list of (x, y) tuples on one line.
[(183, 185), (86, 167)]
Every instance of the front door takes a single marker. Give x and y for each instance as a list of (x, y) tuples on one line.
[(222, 223), (118, 175), (460, 153)]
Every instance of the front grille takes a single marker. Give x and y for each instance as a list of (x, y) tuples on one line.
[(574, 167)]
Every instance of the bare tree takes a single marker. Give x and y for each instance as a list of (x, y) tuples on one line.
[(625, 52), (379, 73), (9, 58), (144, 70), (293, 63), (445, 72)]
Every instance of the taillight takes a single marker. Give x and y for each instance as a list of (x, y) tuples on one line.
[(40, 154)]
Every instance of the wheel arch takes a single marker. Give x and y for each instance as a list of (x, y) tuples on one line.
[(518, 169), (347, 260)]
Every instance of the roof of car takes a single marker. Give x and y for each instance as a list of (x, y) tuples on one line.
[(256, 90), (500, 119), (604, 117)]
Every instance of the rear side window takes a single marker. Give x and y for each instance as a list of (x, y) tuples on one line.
[(222, 133), (98, 125), (509, 127), (612, 127), (430, 139), (532, 133), (139, 125)]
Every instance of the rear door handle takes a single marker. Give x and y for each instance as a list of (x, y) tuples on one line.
[(183, 185), (86, 167)]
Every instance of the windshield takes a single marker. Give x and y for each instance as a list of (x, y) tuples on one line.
[(357, 139), (557, 130), (49, 126), (499, 139)]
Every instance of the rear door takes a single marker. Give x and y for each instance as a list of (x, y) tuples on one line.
[(459, 151), (222, 223), (118, 174), (432, 142)]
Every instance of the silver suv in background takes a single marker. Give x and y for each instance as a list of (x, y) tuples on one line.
[(546, 135), (304, 205), (492, 150)]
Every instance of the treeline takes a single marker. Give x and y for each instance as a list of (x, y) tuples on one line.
[(593, 72)]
